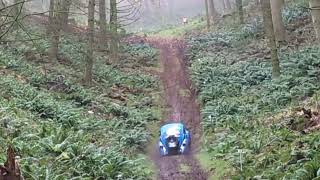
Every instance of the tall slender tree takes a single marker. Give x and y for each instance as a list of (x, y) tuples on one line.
[(212, 10), (207, 14), (171, 4), (279, 29), (89, 62), (103, 23), (51, 17), (66, 4), (315, 11), (2, 5), (114, 30), (56, 28), (268, 25), (257, 2), (223, 5), (17, 12), (240, 11), (228, 5)]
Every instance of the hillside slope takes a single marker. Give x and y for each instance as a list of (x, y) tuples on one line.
[(62, 129), (258, 128)]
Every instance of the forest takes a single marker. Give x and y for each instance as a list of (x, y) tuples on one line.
[(86, 85)]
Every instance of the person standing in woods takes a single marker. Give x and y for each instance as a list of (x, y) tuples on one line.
[(185, 20)]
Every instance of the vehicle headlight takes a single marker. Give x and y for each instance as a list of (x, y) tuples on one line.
[(184, 143), (160, 144), (162, 148), (183, 146)]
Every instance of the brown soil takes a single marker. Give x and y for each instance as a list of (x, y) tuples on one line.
[(181, 99)]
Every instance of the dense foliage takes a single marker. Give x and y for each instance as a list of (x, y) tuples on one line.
[(295, 11), (61, 129), (248, 118), (254, 129)]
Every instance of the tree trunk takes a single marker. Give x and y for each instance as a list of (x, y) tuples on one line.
[(2, 14), (240, 11), (228, 5), (223, 5), (207, 14), (315, 11), (103, 24), (268, 25), (2, 4), (51, 17), (114, 30), (54, 47), (257, 2), (212, 10), (279, 29), (65, 13), (16, 13), (171, 4), (55, 34), (89, 63), (11, 169)]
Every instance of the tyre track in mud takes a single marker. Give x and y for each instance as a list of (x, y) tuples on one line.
[(180, 98)]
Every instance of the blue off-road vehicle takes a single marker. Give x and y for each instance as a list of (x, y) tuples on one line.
[(174, 139)]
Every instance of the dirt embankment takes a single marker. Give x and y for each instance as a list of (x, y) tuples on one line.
[(181, 99)]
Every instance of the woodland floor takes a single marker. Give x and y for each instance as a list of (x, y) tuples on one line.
[(213, 59)]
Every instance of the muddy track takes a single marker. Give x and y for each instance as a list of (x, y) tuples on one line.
[(180, 98)]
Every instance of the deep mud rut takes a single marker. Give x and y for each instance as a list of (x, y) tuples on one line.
[(181, 99)]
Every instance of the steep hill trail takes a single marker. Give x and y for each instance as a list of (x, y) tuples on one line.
[(180, 98)]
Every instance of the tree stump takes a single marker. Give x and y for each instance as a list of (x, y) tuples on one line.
[(10, 170)]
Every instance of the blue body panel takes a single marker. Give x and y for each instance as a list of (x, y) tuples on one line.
[(182, 135)]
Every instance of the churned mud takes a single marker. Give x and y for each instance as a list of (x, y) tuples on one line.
[(181, 101)]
